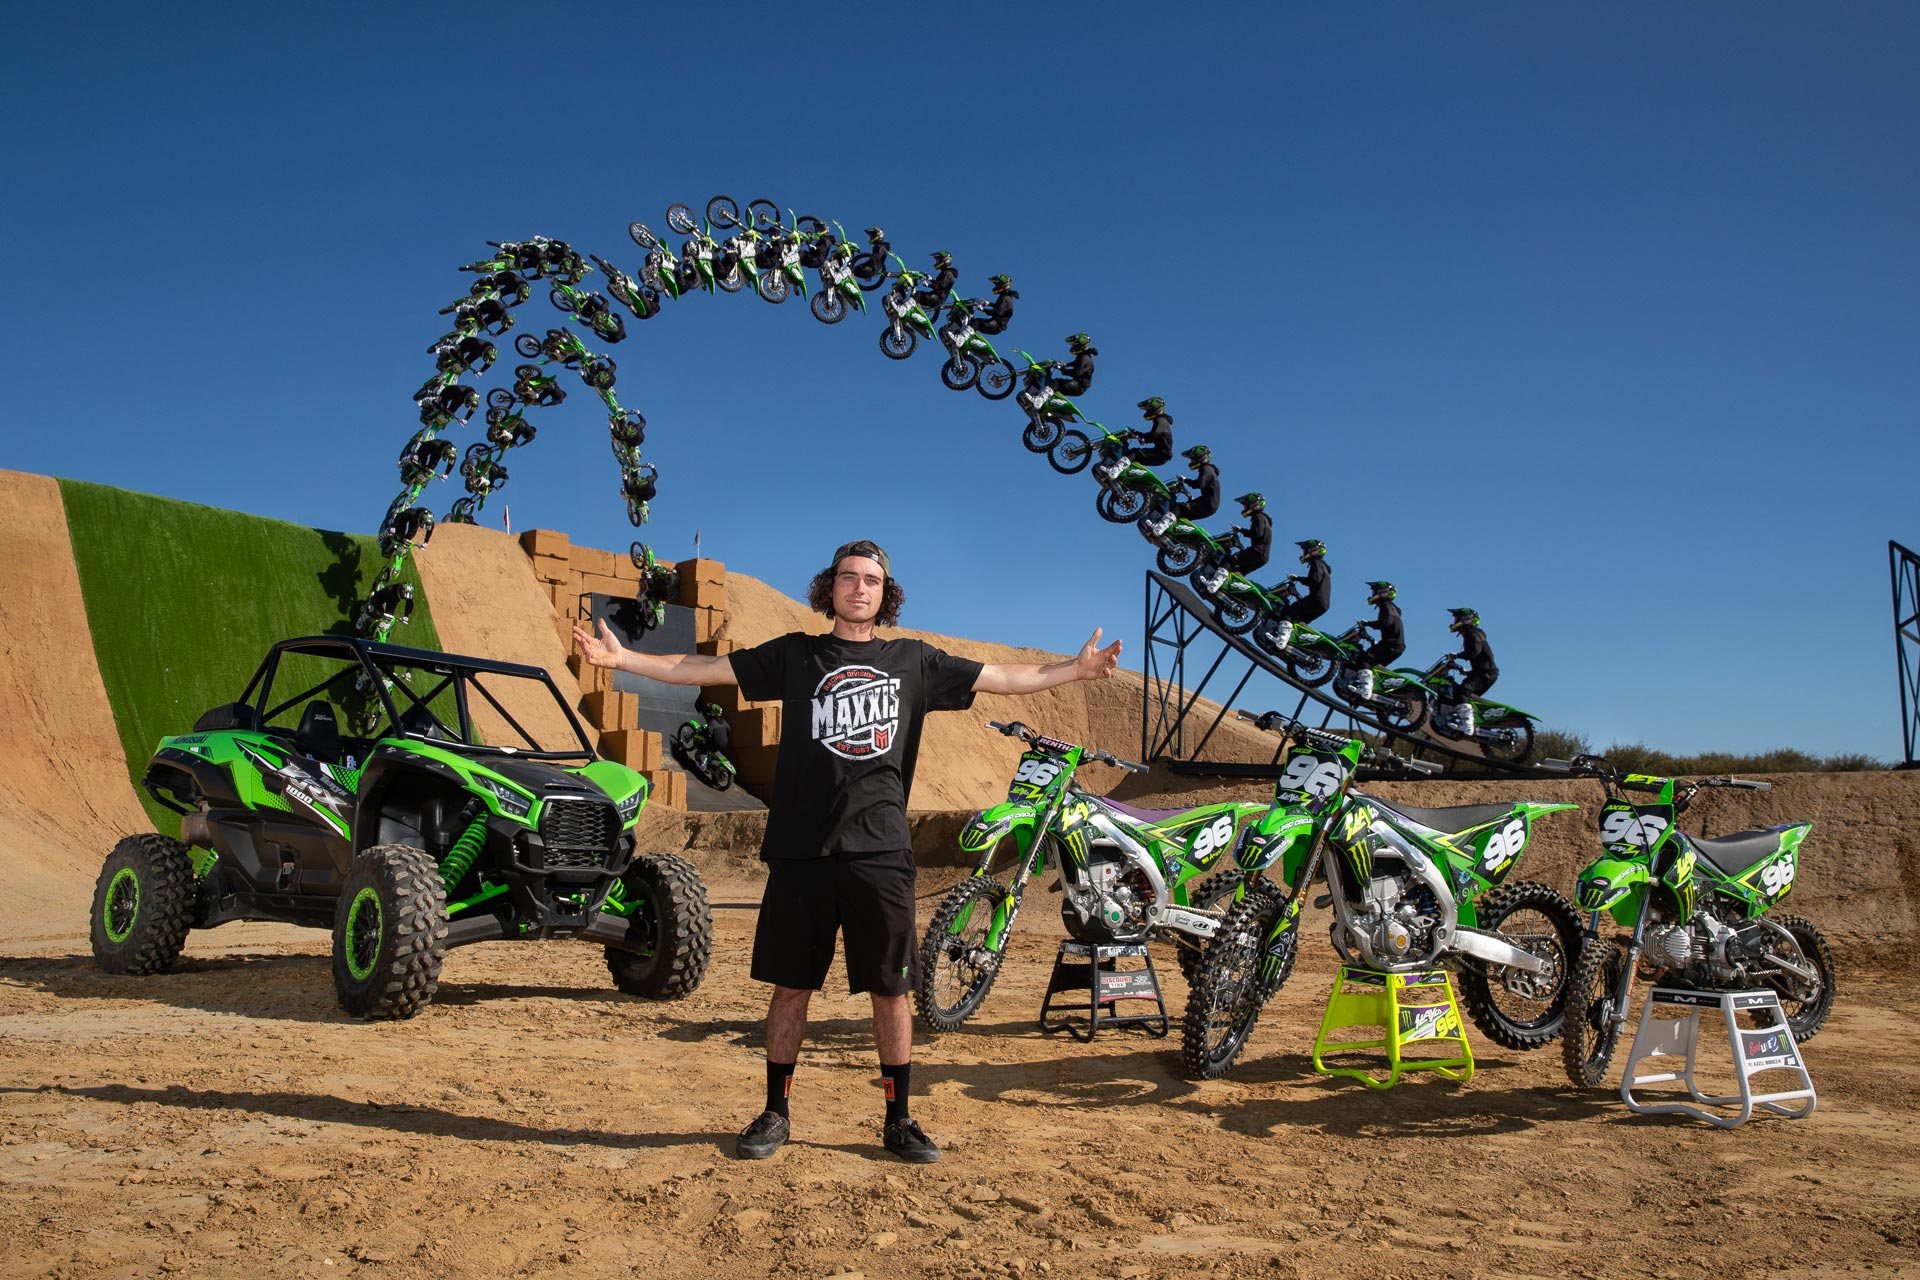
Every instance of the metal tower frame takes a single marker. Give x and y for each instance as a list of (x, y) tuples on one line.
[(1904, 568)]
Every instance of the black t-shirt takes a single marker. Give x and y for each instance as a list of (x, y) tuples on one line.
[(850, 730)]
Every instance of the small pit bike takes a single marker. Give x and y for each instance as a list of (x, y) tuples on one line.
[(1411, 889), (1697, 912), (1128, 874)]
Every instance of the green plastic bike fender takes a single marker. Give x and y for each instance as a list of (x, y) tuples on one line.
[(1608, 884), (989, 825)]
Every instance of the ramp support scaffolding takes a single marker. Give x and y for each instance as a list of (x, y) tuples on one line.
[(1904, 566)]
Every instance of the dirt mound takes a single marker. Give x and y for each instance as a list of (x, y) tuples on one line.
[(67, 794)]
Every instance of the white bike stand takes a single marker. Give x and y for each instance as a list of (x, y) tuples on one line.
[(1755, 1049)]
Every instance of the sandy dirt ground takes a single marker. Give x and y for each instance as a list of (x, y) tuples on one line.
[(227, 1119)]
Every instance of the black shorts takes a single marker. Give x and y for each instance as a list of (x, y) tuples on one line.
[(869, 896)]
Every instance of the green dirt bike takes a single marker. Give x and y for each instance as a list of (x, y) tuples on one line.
[(1697, 909), (1126, 873), (907, 320), (1048, 412), (657, 272), (643, 300), (837, 286), (1128, 490), (1503, 731), (690, 750), (1185, 548), (1238, 602), (780, 272), (1410, 888), (971, 359)]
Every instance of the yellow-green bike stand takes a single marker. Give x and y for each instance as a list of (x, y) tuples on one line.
[(1408, 1008)]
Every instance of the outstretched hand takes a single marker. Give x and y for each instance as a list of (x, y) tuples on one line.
[(603, 650), (1095, 663)]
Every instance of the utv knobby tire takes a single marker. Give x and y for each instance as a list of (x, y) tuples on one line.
[(142, 905), (1228, 993), (1588, 1039), (1555, 939), (671, 903), (944, 953), (1806, 1016), (389, 933)]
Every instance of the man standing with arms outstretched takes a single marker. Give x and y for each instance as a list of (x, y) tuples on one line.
[(837, 850)]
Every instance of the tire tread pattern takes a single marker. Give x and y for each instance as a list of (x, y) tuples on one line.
[(686, 932), (167, 885), (414, 904)]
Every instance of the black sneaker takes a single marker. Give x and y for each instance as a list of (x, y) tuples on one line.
[(906, 1139), (766, 1135)]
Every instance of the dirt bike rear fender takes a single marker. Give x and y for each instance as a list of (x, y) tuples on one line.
[(1763, 886)]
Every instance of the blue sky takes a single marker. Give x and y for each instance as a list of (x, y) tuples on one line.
[(1602, 322)]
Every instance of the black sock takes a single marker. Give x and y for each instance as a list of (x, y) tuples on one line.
[(894, 1080), (779, 1083)]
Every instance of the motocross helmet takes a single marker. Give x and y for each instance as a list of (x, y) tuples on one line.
[(1001, 284), (1251, 502), (1197, 457), (711, 710), (1153, 405), (875, 233), (1310, 549), (1079, 343), (941, 258), (1463, 618), (1380, 592)]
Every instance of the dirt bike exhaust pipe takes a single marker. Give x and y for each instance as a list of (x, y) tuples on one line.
[(1485, 946)]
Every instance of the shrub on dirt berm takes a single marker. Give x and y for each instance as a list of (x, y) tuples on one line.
[(183, 599)]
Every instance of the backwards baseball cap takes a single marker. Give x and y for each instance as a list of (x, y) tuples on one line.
[(862, 547)]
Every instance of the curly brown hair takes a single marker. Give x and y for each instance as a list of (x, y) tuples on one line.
[(820, 597)]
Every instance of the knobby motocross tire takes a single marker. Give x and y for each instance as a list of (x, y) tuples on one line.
[(732, 282), (764, 214), (142, 905), (1236, 617), (1587, 1043), (1189, 951), (723, 211), (1518, 1009), (670, 902), (901, 346), (1512, 750), (1039, 437), (828, 306), (773, 286), (1409, 719), (1120, 506), (389, 933), (956, 968), (958, 373), (1228, 992), (1311, 667), (1070, 453), (1806, 1011), (642, 235), (1177, 558), (997, 380)]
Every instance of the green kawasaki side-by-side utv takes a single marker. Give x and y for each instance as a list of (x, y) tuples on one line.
[(348, 788)]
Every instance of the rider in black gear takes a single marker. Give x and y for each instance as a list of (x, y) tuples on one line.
[(995, 318), (871, 265), (815, 248), (1393, 637), (718, 734), (1318, 596), (1074, 377), (1205, 485), (1156, 442), (1481, 671), (1258, 536), (933, 294)]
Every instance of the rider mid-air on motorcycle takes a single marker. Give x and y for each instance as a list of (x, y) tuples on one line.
[(1456, 707), (1155, 445), (1257, 537), (1318, 596), (717, 735), (933, 294), (1000, 313), (1393, 637), (1076, 376), (1204, 486), (870, 268)]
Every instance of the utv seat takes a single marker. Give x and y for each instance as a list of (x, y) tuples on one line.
[(1450, 820), (1735, 853), (319, 733)]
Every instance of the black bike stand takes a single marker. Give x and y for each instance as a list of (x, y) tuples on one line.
[(1089, 968)]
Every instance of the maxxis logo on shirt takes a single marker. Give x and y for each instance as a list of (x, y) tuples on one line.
[(856, 712)]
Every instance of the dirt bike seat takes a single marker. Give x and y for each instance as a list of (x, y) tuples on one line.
[(1735, 853), (1452, 818), (1139, 814)]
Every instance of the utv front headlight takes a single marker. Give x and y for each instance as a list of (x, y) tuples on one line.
[(514, 802), (630, 807)]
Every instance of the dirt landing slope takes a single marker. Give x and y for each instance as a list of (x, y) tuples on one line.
[(486, 603), (64, 793), (963, 764)]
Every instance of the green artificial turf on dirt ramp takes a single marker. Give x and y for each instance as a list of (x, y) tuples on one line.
[(184, 599)]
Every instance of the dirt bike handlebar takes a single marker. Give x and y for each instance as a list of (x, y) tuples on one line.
[(1028, 734)]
